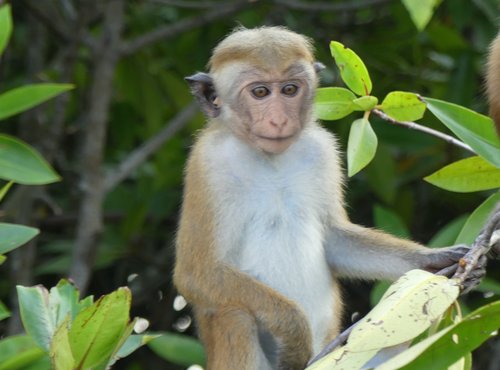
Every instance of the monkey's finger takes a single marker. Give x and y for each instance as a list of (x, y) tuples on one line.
[(448, 271)]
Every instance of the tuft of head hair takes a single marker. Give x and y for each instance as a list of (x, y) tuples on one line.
[(264, 46)]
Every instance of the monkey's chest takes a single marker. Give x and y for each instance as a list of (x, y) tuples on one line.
[(275, 232)]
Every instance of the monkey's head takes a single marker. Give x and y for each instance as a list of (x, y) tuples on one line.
[(260, 86)]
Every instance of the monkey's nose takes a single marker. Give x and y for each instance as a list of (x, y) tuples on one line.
[(279, 121)]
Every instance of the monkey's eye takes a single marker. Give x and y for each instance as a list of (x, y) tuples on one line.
[(289, 89), (260, 92)]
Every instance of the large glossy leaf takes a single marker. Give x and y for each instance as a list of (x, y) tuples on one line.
[(352, 69), (332, 103), (5, 26), (477, 220), (13, 236), (403, 106), (35, 314), (25, 97), (408, 308), (471, 127), (19, 352), (342, 358), (467, 175), (96, 330), (60, 350), (22, 164), (361, 146), (421, 11), (449, 345), (64, 302), (179, 349), (447, 235)]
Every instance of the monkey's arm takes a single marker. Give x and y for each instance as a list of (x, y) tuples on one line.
[(358, 252), (212, 285)]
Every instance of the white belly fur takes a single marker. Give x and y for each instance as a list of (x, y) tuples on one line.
[(275, 215)]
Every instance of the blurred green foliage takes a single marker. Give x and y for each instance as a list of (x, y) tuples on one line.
[(443, 61)]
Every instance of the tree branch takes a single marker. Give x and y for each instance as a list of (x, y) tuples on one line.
[(327, 6), (89, 226), (415, 126), (49, 18), (168, 31), (487, 242), (139, 155), (202, 4)]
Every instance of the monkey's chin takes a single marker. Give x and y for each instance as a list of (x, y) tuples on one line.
[(274, 145)]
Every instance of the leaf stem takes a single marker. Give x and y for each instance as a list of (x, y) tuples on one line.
[(415, 126)]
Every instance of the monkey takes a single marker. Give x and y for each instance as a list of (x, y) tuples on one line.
[(264, 235), (493, 81)]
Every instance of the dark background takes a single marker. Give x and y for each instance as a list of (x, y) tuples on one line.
[(121, 137)]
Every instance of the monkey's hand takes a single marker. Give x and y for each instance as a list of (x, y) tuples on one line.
[(294, 335), (486, 244), (451, 261)]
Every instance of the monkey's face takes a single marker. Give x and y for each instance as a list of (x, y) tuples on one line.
[(269, 109)]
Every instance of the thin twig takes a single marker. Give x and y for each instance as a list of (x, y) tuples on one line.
[(203, 4), (338, 341), (139, 155), (486, 242), (415, 126), (171, 30), (328, 6)]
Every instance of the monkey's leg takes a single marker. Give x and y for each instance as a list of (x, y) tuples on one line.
[(231, 340)]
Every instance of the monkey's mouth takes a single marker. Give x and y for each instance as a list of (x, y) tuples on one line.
[(275, 138)]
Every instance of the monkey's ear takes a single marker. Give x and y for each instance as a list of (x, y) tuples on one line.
[(202, 87), (318, 67)]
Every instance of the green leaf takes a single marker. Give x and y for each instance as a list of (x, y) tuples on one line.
[(467, 175), (365, 103), (5, 26), (60, 350), (178, 349), (403, 106), (22, 164), (449, 345), (97, 329), (64, 302), (5, 189), (352, 69), (19, 352), (471, 127), (361, 146), (390, 222), (13, 236), (421, 11), (134, 342), (448, 234), (25, 97), (4, 312), (342, 358), (332, 103), (36, 315), (477, 220), (408, 308), (2, 259)]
